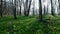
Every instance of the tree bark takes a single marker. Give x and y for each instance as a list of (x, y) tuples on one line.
[(20, 10), (40, 10), (15, 10), (29, 8), (33, 11), (52, 12), (25, 8), (44, 10), (59, 7), (1, 8)]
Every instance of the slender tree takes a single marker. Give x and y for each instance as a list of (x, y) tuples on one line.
[(59, 7), (40, 10), (28, 10), (33, 7), (27, 7), (33, 11), (52, 12), (15, 10), (47, 9), (44, 10), (20, 10), (1, 8), (20, 2), (59, 4)]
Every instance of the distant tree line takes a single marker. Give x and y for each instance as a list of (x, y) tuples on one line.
[(11, 8)]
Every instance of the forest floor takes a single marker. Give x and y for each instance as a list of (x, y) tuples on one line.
[(29, 25)]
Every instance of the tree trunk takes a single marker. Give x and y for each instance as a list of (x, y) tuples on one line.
[(40, 10), (59, 7), (1, 8), (52, 12), (29, 8), (33, 7), (20, 10), (47, 9), (33, 11), (59, 4), (15, 10), (25, 8), (44, 10)]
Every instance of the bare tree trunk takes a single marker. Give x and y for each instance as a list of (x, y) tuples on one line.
[(25, 9), (33, 7), (44, 10), (15, 10), (1, 8), (59, 7), (52, 12), (33, 11), (47, 9), (20, 10), (59, 4), (40, 10), (29, 8)]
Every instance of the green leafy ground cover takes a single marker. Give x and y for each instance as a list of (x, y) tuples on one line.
[(29, 25)]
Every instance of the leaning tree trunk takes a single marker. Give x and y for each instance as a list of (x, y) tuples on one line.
[(40, 10)]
